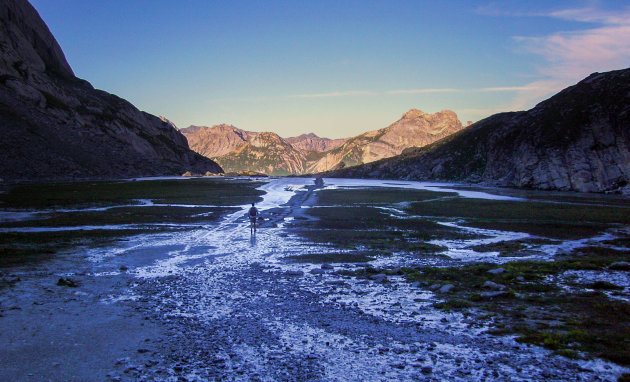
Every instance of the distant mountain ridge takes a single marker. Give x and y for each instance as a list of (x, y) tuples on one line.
[(56, 126), (311, 142), (577, 140), (239, 150)]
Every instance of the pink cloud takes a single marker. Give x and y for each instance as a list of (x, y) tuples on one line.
[(570, 56)]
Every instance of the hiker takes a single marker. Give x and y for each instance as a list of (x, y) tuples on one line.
[(253, 215)]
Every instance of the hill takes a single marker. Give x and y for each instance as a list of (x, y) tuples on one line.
[(55, 126), (577, 140)]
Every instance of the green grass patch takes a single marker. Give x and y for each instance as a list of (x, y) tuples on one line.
[(521, 211), (211, 191), (504, 247), (377, 195), (127, 215)]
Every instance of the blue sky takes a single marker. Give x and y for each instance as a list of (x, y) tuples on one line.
[(335, 68)]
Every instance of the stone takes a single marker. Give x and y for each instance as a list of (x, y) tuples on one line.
[(492, 285), (65, 281), (446, 288), (327, 266), (317, 271), (416, 284), (426, 370), (491, 295), (379, 278), (434, 287), (496, 271), (294, 273)]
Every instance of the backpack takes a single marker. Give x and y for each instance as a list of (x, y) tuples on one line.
[(253, 212)]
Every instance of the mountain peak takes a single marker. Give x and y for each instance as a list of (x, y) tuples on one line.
[(413, 113)]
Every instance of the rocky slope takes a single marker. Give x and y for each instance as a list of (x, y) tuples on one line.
[(235, 150), (414, 129), (577, 140), (56, 126), (216, 141), (311, 142), (265, 153)]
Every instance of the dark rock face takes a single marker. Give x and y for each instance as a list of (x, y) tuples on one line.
[(56, 126), (577, 140)]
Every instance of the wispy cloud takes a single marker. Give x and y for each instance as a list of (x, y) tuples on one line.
[(424, 91), (453, 90), (569, 56), (351, 93)]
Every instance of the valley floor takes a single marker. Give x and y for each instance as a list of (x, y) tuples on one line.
[(361, 280)]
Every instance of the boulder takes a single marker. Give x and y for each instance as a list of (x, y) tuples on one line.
[(379, 278), (66, 281), (492, 285), (491, 295), (446, 288)]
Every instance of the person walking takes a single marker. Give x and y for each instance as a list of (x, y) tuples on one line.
[(253, 216)]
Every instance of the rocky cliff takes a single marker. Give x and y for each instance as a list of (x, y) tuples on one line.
[(413, 129), (265, 153), (577, 140), (311, 142), (56, 126), (216, 141)]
